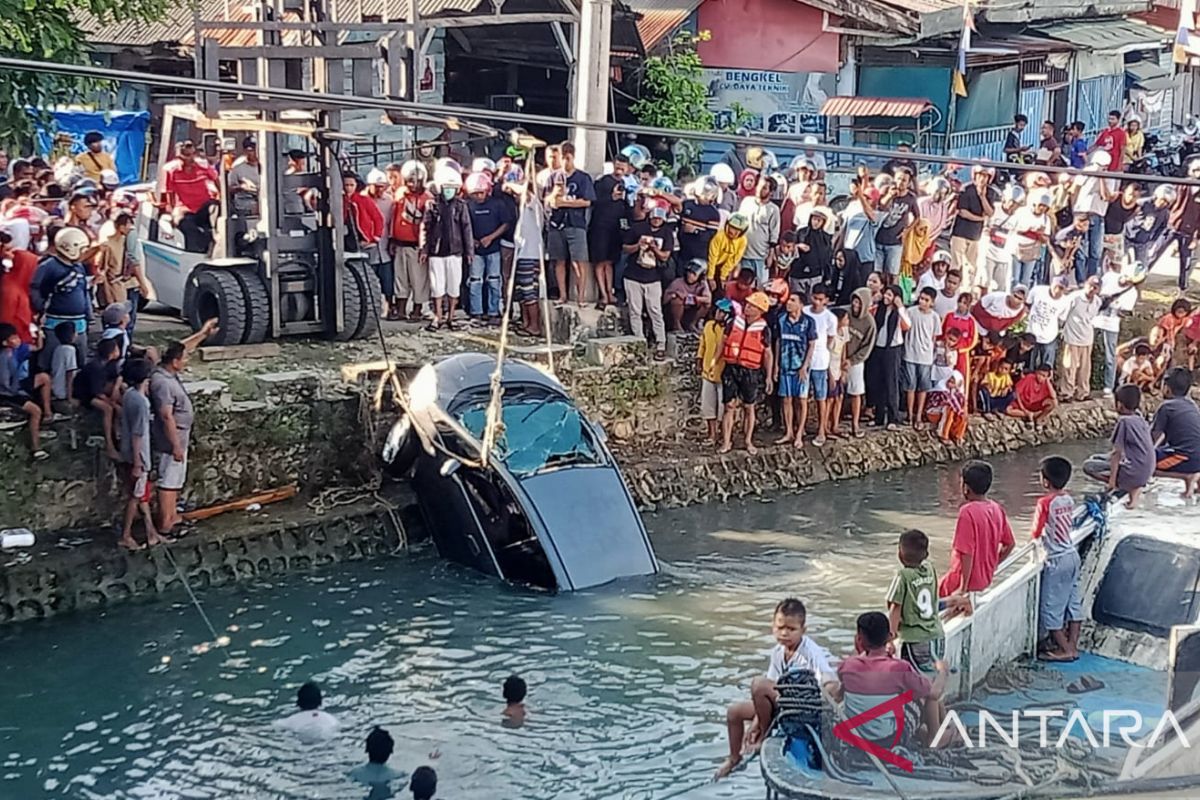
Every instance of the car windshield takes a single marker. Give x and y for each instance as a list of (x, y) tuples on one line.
[(540, 431)]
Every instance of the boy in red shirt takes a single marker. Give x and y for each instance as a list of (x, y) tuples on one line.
[(982, 539), (1034, 397)]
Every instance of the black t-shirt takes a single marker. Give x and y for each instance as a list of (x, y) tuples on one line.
[(607, 212), (894, 164), (1012, 142), (895, 218), (645, 267), (695, 244), (968, 199), (94, 379), (1116, 217)]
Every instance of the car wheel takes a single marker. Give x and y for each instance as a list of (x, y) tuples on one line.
[(215, 292), (258, 305), (352, 306), (369, 298)]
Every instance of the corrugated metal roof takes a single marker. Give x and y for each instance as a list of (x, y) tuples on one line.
[(874, 107), (923, 6), (658, 18), (1113, 35)]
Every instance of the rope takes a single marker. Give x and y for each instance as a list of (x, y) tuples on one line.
[(191, 594)]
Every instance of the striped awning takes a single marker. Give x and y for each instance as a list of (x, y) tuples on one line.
[(875, 107)]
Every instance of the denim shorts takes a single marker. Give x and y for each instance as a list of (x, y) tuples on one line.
[(917, 377), (567, 244), (819, 378), (792, 385), (887, 257)]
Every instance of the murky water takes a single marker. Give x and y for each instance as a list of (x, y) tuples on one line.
[(627, 684)]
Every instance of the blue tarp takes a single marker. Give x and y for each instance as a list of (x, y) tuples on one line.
[(124, 136)]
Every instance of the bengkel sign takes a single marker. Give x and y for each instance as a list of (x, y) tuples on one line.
[(1005, 729)]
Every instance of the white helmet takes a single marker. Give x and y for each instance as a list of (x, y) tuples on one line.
[(71, 242), (1165, 191), (376, 177), (109, 179), (707, 188), (1101, 159), (483, 165), (722, 173), (937, 184), (810, 139), (447, 177), (1042, 197), (770, 162), (414, 170), (799, 162), (1013, 193), (941, 256), (448, 163), (478, 182)]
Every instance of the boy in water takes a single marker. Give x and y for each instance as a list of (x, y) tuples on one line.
[(982, 539), (376, 773), (423, 784), (1060, 611), (514, 702), (793, 652), (1131, 463)]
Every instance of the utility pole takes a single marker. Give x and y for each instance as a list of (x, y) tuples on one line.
[(592, 80)]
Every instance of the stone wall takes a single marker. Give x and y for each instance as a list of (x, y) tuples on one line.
[(685, 475), (52, 578), (295, 432)]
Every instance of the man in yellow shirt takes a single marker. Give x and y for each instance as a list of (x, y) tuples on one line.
[(710, 364), (725, 251), (93, 160)]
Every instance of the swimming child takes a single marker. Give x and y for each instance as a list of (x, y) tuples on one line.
[(1060, 611), (376, 773), (514, 699), (423, 784), (793, 652)]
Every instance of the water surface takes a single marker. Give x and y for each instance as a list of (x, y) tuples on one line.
[(627, 684)]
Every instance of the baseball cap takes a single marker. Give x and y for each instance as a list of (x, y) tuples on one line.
[(113, 313)]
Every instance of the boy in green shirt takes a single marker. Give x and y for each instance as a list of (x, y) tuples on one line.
[(913, 604)]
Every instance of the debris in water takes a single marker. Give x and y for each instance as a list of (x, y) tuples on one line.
[(165, 659), (223, 641)]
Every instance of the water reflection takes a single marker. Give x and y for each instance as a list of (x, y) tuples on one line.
[(627, 684)]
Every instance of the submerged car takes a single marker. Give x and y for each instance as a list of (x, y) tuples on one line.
[(550, 508)]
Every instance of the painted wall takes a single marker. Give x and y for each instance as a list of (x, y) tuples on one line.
[(777, 35)]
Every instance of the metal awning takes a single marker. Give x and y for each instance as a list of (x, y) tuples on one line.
[(1150, 76), (658, 19), (875, 107), (1113, 35)]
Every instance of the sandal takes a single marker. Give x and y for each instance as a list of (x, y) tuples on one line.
[(432, 327), (451, 325), (40, 455)]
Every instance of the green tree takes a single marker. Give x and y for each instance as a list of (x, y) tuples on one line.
[(52, 30), (674, 94)]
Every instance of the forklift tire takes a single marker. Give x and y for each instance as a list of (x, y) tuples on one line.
[(216, 292), (352, 306), (368, 289), (258, 305)]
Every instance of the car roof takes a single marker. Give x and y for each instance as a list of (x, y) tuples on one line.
[(466, 371)]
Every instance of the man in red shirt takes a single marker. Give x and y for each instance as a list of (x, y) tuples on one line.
[(982, 537), (1112, 140), (412, 277), (1034, 397), (189, 189)]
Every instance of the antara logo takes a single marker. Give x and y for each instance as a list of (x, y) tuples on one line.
[(844, 730)]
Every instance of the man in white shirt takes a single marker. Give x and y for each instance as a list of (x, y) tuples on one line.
[(1031, 231), (1000, 242), (947, 297), (818, 372), (763, 233), (1047, 310), (1092, 196), (935, 276), (1078, 335), (1117, 294), (309, 724)]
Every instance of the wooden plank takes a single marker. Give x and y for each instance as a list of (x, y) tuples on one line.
[(262, 498), (238, 351), (489, 20), (325, 27)]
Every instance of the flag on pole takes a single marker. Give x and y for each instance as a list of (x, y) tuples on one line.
[(959, 79)]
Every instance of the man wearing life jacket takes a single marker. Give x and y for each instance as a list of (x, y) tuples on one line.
[(746, 350)]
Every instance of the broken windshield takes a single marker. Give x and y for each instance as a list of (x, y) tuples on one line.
[(539, 431)]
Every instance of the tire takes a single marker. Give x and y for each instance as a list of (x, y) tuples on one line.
[(352, 306), (369, 296), (258, 305), (215, 292)]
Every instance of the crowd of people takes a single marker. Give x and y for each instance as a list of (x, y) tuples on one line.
[(901, 647)]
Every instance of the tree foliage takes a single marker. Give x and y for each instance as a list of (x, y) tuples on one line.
[(52, 30), (674, 94)]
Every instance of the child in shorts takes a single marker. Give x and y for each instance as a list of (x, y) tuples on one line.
[(912, 602), (710, 365), (1131, 463), (134, 458), (1060, 610), (797, 332), (793, 651)]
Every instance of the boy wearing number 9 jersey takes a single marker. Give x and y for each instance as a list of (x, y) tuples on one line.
[(913, 604)]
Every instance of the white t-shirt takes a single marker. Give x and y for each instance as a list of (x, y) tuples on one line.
[(1046, 313), (809, 655), (924, 327), (310, 726), (817, 160), (1110, 318), (929, 279), (62, 364), (1000, 226), (1025, 220), (826, 324), (944, 305), (1089, 200)]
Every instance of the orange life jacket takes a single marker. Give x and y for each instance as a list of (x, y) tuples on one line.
[(744, 343)]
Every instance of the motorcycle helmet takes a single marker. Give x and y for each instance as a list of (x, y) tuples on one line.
[(448, 163), (1041, 197), (109, 179), (484, 165), (478, 182), (777, 289), (936, 184), (1033, 179), (71, 242), (798, 163), (663, 185), (637, 154), (754, 158), (722, 174), (445, 176), (514, 174), (632, 188), (941, 257), (707, 189), (1013, 193), (376, 177), (1101, 159), (770, 162), (1165, 192), (414, 170), (738, 221)]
